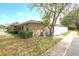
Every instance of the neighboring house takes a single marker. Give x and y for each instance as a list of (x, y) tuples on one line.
[(2, 27)]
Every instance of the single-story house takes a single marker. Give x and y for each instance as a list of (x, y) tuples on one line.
[(35, 26)]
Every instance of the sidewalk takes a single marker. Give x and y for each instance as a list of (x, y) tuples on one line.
[(74, 47), (61, 48)]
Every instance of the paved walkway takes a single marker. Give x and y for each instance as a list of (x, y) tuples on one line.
[(61, 48), (74, 47)]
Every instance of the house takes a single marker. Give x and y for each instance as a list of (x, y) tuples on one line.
[(2, 27), (35, 26)]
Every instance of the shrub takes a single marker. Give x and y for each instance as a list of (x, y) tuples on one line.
[(25, 34), (13, 31)]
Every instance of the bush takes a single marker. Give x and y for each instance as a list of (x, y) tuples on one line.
[(25, 34), (13, 31)]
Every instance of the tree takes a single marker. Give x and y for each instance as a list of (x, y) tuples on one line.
[(71, 19), (51, 12), (46, 18)]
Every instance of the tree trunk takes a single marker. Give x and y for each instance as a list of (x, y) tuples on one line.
[(51, 31)]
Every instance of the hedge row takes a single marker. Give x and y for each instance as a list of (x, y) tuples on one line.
[(13, 31), (23, 34)]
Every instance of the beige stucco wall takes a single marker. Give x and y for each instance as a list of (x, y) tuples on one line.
[(35, 27)]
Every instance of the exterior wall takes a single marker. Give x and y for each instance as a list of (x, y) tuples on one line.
[(12, 27), (59, 30), (36, 28)]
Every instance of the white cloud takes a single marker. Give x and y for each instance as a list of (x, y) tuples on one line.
[(4, 16), (19, 13)]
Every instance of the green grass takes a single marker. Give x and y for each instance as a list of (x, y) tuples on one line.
[(65, 33), (17, 46), (77, 32)]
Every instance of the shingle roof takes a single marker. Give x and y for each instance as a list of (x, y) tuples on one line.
[(31, 21)]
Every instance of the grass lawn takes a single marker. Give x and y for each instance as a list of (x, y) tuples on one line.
[(77, 32), (65, 33), (16, 46)]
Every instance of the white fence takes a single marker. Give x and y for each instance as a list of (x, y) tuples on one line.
[(59, 30)]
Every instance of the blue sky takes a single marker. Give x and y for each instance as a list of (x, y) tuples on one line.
[(17, 12)]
